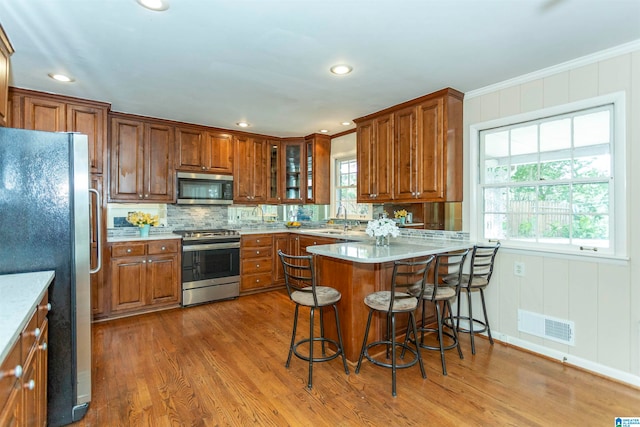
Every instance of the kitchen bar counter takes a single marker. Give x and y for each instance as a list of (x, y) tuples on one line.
[(20, 295), (357, 269)]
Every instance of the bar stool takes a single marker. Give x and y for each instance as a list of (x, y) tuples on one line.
[(407, 286), (436, 293), (300, 279), (480, 271)]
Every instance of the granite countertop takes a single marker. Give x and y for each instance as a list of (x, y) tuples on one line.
[(152, 236), (20, 295), (367, 252)]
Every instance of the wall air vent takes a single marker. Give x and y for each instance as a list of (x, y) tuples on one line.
[(547, 327)]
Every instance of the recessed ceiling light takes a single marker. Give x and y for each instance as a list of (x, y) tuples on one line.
[(61, 77), (341, 69), (324, 131), (243, 124), (346, 123), (157, 5)]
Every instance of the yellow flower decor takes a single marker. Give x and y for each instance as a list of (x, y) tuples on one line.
[(140, 219), (400, 214)]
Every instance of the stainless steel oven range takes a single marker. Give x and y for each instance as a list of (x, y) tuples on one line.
[(210, 265)]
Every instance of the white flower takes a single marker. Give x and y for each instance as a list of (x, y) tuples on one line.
[(382, 227)]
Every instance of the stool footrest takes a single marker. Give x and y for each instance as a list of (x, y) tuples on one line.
[(483, 326), (317, 359), (389, 365), (454, 344)]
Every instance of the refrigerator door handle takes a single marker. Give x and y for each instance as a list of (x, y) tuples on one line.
[(98, 231)]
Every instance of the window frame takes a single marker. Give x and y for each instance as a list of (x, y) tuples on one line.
[(618, 247), (336, 186)]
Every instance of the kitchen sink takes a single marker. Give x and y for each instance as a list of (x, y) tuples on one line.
[(336, 232)]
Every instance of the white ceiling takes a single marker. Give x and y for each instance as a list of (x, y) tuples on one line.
[(217, 62)]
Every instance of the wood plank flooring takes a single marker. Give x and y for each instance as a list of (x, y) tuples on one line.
[(222, 364)]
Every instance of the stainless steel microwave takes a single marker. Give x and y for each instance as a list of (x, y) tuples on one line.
[(204, 189)]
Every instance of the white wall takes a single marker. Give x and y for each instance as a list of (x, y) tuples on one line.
[(602, 297)]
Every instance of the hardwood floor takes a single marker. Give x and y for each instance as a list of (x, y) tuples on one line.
[(223, 364)]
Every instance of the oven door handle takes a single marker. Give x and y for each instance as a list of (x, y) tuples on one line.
[(211, 246)]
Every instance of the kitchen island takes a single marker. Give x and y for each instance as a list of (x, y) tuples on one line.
[(357, 269)]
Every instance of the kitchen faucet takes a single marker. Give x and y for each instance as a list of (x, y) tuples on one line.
[(341, 208)]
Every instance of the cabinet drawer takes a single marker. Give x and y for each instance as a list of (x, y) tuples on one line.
[(257, 240), (163, 247), (43, 308), (256, 265), (259, 252), (255, 281), (7, 378), (128, 249), (30, 335)]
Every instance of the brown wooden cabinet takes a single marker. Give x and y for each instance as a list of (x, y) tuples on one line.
[(142, 165), (318, 169), (202, 150), (144, 276), (53, 113), (250, 170), (426, 163), (275, 183), (23, 383), (98, 296), (281, 242), (375, 159), (6, 50), (256, 263)]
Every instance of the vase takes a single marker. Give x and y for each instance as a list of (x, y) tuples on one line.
[(403, 220), (382, 240), (144, 230)]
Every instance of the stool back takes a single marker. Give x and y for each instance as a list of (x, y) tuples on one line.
[(299, 274), (482, 260), (448, 266), (409, 279)]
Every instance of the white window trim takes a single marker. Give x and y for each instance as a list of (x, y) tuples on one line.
[(620, 211)]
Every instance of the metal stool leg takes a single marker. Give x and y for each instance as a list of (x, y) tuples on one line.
[(471, 332), (293, 336), (486, 318), (341, 349), (311, 313), (454, 330), (322, 331), (412, 322), (364, 340)]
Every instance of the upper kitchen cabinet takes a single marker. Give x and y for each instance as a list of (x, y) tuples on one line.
[(318, 169), (293, 171), (204, 151), (142, 160), (53, 113), (426, 139), (6, 50), (274, 172), (375, 159), (250, 169)]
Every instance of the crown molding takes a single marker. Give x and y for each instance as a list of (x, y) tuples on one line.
[(554, 69)]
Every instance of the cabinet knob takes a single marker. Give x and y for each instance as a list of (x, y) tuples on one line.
[(36, 332), (150, 261), (45, 307), (43, 346), (257, 252), (30, 385), (257, 280), (163, 248), (144, 261), (258, 241), (139, 196), (146, 196), (16, 372), (257, 265), (203, 168)]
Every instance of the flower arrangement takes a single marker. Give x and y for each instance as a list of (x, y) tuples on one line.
[(382, 227), (400, 214), (140, 219)]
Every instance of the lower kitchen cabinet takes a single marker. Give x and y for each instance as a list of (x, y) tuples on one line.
[(260, 267), (144, 276), (281, 242), (23, 379)]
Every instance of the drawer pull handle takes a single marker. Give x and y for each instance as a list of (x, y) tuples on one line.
[(257, 265), (128, 251), (36, 332), (30, 385), (163, 248), (43, 346), (16, 372), (257, 252)]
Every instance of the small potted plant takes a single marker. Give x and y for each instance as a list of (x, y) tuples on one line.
[(144, 221), (400, 215)]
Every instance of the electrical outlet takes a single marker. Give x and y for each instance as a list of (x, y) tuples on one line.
[(518, 269)]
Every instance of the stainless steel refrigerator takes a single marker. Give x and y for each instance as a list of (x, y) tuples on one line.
[(45, 225)]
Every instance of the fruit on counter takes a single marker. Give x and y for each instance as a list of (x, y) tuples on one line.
[(293, 224)]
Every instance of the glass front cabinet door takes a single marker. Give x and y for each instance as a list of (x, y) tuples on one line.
[(293, 156)]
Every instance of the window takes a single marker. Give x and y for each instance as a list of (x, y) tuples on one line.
[(346, 192), (549, 182)]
